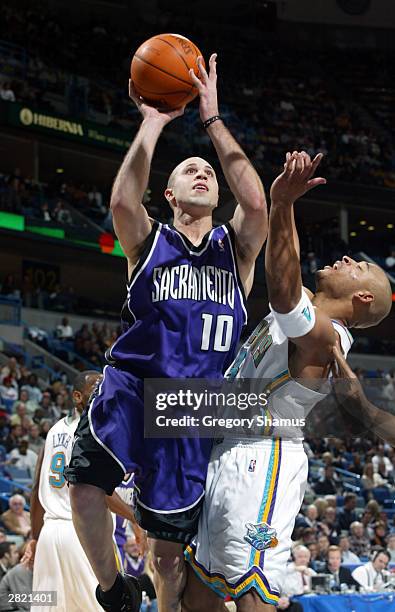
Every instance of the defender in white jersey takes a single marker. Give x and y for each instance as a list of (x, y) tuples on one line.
[(58, 559), (255, 486)]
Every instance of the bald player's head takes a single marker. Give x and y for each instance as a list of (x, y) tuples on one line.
[(193, 183), (362, 286)]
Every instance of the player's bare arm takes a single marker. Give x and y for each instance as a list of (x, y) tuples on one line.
[(131, 222), (118, 506), (283, 272), (250, 218), (351, 396), (36, 515)]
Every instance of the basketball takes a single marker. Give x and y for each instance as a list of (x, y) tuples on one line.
[(160, 71)]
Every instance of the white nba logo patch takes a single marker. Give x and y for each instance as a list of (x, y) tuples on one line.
[(251, 467), (221, 245)]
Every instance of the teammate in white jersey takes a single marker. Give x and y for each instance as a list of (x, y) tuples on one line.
[(60, 563), (255, 486)]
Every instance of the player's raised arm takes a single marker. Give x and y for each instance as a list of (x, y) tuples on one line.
[(131, 222), (250, 218), (291, 306), (118, 506)]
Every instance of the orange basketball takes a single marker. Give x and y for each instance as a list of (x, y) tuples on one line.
[(160, 71)]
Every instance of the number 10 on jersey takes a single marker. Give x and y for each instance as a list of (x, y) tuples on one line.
[(220, 328)]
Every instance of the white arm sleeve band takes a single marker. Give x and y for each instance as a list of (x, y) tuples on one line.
[(300, 321)]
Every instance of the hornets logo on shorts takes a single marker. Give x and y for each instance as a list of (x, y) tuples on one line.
[(261, 536)]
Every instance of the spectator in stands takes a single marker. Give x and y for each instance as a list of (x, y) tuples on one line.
[(379, 538), (340, 575), (321, 504), (6, 93), (327, 484), (329, 526), (62, 214), (12, 368), (45, 427), (391, 546), (64, 331), (36, 442), (23, 458), (16, 519), (313, 548), (45, 214), (348, 557), (48, 409), (8, 557), (309, 519), (3, 535), (13, 438), (356, 467), (379, 457), (9, 392), (373, 575), (20, 412), (308, 536), (359, 543), (347, 514), (19, 579), (33, 389), (323, 545), (30, 404), (298, 578), (370, 478)]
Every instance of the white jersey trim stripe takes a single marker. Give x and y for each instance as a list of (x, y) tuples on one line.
[(235, 272)]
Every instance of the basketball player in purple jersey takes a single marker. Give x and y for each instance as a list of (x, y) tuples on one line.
[(183, 316)]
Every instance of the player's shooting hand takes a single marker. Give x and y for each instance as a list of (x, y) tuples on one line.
[(206, 84), (141, 539), (30, 552), (296, 178), (149, 112)]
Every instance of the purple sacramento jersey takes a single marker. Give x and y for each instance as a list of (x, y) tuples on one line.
[(134, 566), (125, 492), (185, 308), (182, 318)]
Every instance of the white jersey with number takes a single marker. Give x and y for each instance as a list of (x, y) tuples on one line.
[(60, 563), (264, 359), (255, 485), (53, 490)]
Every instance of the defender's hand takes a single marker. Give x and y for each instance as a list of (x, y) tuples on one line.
[(149, 112), (207, 87), (296, 179)]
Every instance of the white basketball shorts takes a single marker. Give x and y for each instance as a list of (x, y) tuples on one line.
[(254, 492), (61, 565)]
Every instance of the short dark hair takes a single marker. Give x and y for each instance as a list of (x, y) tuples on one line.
[(80, 379), (349, 497), (5, 548)]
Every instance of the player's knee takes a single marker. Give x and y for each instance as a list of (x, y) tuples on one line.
[(85, 498), (169, 566)]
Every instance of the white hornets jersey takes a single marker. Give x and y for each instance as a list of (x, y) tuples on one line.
[(264, 357), (53, 490)]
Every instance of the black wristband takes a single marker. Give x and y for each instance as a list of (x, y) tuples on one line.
[(211, 120)]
